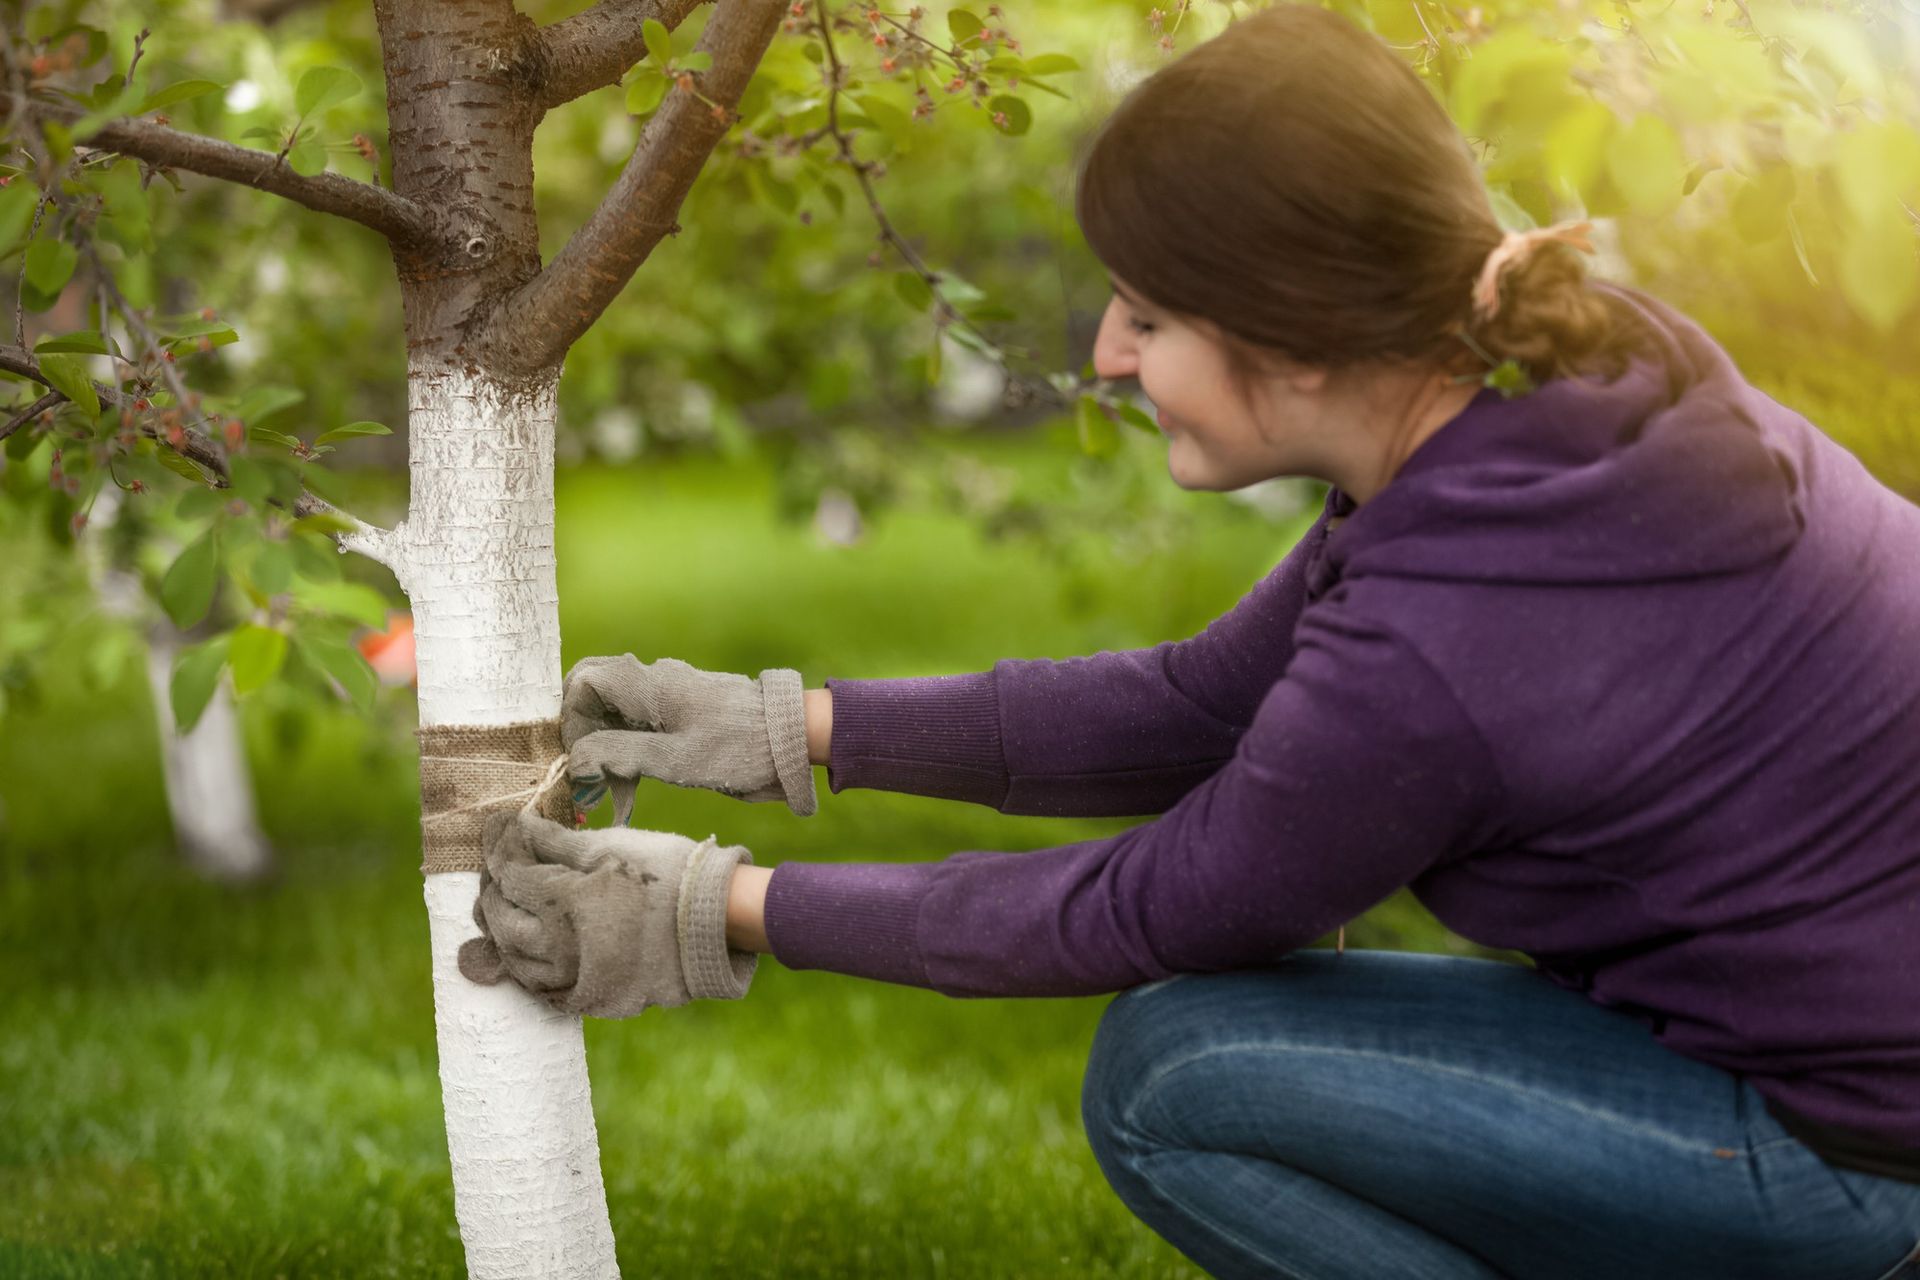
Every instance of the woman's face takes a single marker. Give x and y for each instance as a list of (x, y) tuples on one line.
[(1216, 439)]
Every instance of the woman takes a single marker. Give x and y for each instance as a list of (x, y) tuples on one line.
[(1617, 673)]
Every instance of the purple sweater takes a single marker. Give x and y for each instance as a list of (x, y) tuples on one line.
[(1623, 675)]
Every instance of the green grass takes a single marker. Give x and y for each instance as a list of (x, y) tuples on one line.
[(208, 1082)]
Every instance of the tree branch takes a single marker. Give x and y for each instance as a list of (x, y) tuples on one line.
[(532, 327), (393, 216), (593, 49), (31, 412), (195, 448)]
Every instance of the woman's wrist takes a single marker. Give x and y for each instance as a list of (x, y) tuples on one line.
[(819, 715), (747, 909)]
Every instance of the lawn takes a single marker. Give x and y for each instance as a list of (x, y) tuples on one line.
[(208, 1082)]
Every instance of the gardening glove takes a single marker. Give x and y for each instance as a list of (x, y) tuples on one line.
[(622, 720), (605, 923)]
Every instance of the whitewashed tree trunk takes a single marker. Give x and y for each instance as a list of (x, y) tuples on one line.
[(209, 788), (475, 555)]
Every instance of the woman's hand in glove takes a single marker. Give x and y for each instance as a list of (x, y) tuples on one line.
[(622, 720), (605, 923)]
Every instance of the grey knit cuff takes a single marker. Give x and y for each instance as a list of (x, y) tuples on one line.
[(712, 969), (782, 697)]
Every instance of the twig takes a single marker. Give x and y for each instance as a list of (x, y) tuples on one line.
[(945, 313), (29, 413)]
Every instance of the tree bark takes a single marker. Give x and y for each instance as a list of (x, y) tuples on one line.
[(476, 558)]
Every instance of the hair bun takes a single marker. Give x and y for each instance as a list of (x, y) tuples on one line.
[(1547, 320)]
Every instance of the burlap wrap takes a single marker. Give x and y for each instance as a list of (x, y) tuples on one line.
[(469, 771)]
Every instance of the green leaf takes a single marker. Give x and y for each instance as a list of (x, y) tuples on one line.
[(353, 600), (321, 481), (325, 522), (255, 654), (219, 337), (975, 343), (1878, 271), (344, 663), (1646, 164), (68, 376), (1509, 379), (1050, 64), (1760, 207), (1137, 418), (50, 264), (187, 590), (272, 568), (23, 442), (196, 674), (659, 41), (175, 93), (308, 157), (17, 200), (766, 188), (89, 342), (127, 222), (250, 480), (913, 289), (107, 658), (270, 436), (354, 429), (888, 118), (1018, 118), (645, 93), (262, 402), (111, 99), (698, 60), (107, 90), (1576, 148), (180, 466), (314, 560), (199, 503), (963, 25), (1875, 167), (1098, 436), (323, 87), (193, 327)]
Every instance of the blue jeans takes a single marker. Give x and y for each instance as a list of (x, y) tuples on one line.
[(1424, 1117)]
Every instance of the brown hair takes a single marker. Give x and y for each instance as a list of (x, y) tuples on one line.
[(1293, 184)]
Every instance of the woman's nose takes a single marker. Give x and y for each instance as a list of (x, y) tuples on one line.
[(1114, 354)]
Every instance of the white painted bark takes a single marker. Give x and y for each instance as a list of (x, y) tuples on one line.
[(209, 787), (475, 555)]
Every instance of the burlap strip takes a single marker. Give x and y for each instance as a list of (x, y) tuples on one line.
[(469, 771)]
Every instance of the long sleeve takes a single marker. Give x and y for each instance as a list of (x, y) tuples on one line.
[(1117, 733), (1359, 772)]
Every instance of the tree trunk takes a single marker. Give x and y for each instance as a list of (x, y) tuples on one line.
[(209, 787), (476, 557)]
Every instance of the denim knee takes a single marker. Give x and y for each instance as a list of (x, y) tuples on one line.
[(1119, 1065)]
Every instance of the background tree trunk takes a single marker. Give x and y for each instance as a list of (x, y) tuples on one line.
[(209, 786)]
